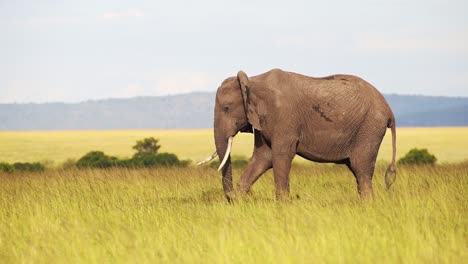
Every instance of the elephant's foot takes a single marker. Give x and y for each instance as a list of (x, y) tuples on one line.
[(365, 192), (243, 189), (283, 196), (239, 194), (231, 196)]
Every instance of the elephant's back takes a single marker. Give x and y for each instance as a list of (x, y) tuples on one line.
[(352, 87), (336, 100), (377, 107), (334, 110), (340, 95)]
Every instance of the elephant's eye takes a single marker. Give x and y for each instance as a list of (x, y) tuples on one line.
[(226, 109)]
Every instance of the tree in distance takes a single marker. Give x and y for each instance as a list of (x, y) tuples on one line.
[(145, 157), (147, 145)]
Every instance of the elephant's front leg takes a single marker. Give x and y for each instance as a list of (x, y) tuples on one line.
[(283, 153), (260, 162)]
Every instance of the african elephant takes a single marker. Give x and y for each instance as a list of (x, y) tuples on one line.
[(339, 119)]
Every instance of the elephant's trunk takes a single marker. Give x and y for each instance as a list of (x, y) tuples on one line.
[(222, 145)]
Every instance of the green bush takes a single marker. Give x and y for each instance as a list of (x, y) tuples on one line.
[(69, 164), (21, 166), (145, 157), (26, 166), (167, 159), (418, 156), (147, 160), (96, 159), (125, 163), (142, 160), (6, 167), (184, 163)]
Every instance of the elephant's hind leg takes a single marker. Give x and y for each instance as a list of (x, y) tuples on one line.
[(362, 164), (283, 153), (363, 170), (363, 157)]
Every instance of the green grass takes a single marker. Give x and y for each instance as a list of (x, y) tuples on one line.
[(448, 144), (180, 215)]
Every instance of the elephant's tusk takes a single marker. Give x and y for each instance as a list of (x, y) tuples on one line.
[(226, 155), (208, 159)]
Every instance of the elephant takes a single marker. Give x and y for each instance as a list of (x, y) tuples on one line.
[(338, 119)]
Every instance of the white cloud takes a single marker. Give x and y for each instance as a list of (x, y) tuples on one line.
[(129, 13), (292, 40), (184, 82), (131, 90), (25, 91), (62, 20), (447, 43), (167, 83), (51, 20)]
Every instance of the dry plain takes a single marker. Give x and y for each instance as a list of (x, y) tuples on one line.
[(449, 144)]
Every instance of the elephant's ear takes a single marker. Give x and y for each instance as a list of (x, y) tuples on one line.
[(251, 108), (243, 82)]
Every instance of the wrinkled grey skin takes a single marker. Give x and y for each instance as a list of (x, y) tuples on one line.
[(339, 119)]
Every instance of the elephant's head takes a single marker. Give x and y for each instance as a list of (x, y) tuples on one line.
[(230, 117)]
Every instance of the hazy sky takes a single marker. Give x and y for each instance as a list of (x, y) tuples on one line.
[(79, 50)]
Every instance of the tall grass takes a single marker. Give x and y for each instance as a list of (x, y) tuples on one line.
[(180, 215)]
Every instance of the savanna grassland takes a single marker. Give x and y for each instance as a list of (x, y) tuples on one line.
[(448, 144), (179, 215)]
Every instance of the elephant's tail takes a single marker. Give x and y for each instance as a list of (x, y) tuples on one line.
[(390, 173)]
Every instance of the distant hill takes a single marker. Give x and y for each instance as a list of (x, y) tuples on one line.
[(417, 110), (195, 110)]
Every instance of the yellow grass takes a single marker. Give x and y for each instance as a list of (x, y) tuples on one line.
[(448, 144), (179, 215)]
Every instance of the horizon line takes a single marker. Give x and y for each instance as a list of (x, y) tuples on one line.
[(181, 94)]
